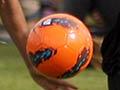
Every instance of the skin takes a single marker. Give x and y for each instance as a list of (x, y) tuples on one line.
[(14, 21)]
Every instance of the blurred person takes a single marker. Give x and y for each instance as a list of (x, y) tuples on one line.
[(48, 7), (31, 10), (15, 24), (81, 8), (36, 9), (109, 10), (111, 56)]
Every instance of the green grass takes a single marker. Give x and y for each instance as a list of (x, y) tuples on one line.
[(14, 74)]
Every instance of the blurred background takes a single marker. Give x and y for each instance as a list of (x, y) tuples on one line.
[(13, 72)]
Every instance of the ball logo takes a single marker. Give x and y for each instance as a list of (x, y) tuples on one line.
[(61, 21), (42, 55), (47, 22)]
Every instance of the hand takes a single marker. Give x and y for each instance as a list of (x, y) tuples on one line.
[(13, 19), (50, 83)]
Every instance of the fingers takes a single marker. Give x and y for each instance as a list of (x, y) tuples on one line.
[(70, 87), (65, 84), (64, 88), (54, 84), (60, 85)]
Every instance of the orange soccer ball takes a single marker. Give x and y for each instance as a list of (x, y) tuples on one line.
[(60, 46)]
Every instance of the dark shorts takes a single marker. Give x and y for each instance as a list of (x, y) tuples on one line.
[(109, 9), (111, 51)]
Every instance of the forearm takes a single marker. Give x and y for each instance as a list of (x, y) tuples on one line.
[(15, 23)]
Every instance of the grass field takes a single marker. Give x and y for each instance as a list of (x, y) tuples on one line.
[(14, 74)]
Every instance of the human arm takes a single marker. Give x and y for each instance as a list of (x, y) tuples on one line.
[(15, 24)]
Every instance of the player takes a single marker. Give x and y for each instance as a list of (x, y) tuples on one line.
[(110, 10), (111, 56), (14, 22)]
